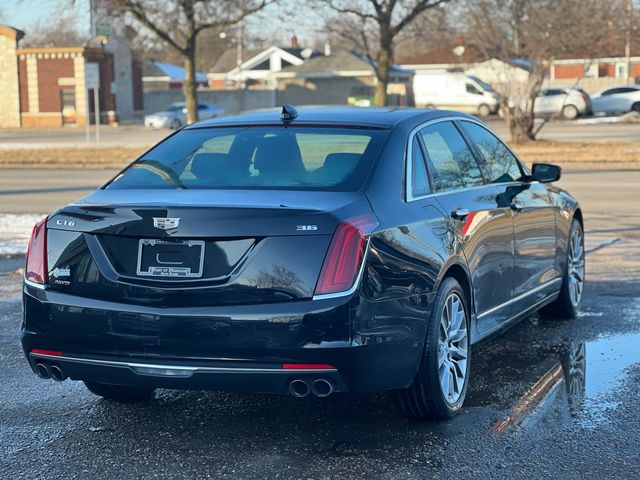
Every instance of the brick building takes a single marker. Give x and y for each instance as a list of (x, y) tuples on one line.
[(612, 66), (45, 87)]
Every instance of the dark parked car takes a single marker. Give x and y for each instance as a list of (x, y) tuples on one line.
[(326, 250)]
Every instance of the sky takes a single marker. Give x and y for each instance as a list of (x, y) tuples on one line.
[(25, 14)]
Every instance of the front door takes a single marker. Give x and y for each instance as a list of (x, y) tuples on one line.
[(68, 102), (535, 244)]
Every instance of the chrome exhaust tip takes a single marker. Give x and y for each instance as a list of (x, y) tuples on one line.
[(322, 388), (299, 388), (57, 373), (43, 371)]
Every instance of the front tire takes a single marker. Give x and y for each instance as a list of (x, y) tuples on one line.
[(440, 386), (635, 107), (568, 303), (120, 393)]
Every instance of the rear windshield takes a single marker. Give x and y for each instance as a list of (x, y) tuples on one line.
[(279, 157)]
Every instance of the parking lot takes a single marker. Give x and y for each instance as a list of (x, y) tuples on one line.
[(548, 399)]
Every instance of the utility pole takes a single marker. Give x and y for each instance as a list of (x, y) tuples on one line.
[(627, 46)]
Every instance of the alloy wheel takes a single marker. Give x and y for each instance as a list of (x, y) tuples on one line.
[(453, 347), (576, 267)]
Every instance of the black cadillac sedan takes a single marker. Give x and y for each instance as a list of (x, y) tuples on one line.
[(302, 252)]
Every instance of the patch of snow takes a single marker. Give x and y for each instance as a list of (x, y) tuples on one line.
[(631, 117), (15, 231)]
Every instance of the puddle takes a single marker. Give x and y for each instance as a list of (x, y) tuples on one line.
[(571, 383), (607, 360)]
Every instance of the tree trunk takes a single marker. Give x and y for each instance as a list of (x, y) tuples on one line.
[(519, 114), (189, 86), (383, 68)]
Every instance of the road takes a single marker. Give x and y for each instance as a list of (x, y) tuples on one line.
[(548, 399), (123, 136), (576, 132), (138, 136)]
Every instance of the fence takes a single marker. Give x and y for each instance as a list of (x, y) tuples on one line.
[(231, 100)]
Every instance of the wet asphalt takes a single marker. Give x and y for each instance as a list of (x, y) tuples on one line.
[(547, 399)]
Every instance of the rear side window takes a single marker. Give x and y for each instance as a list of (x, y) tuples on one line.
[(501, 163), (419, 179), (451, 163), (279, 157)]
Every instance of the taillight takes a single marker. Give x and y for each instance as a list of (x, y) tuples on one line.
[(345, 255), (37, 268)]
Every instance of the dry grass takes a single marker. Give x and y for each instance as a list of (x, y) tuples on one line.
[(570, 155), (85, 157), (583, 155)]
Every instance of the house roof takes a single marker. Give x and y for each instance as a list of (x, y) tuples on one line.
[(229, 59), (11, 32), (340, 60), (173, 73), (445, 55), (597, 53)]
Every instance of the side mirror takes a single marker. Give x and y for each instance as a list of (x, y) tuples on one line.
[(545, 172)]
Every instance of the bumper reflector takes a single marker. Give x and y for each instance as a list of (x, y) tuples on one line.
[(53, 353), (307, 366)]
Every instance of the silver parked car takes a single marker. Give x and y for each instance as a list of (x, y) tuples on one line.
[(176, 115), (569, 103), (617, 100)]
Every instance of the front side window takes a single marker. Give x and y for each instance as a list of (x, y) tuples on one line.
[(501, 163), (279, 157), (471, 88), (451, 162)]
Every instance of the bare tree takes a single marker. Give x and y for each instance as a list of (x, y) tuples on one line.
[(532, 33), (179, 23), (374, 25)]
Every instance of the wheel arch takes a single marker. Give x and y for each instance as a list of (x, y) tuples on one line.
[(577, 214), (459, 272)]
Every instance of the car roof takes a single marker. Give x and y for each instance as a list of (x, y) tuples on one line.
[(378, 117)]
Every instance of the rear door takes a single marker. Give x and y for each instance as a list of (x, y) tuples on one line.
[(483, 226), (535, 274)]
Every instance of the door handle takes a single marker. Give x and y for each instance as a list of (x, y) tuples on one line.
[(460, 213)]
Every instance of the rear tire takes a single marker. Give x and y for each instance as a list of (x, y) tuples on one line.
[(175, 124), (440, 386), (567, 305), (120, 393), (570, 112), (635, 107)]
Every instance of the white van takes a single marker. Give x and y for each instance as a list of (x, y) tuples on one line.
[(455, 91)]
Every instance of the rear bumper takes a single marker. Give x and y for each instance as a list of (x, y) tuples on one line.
[(262, 378), (240, 348)]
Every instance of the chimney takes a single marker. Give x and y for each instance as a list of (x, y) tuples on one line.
[(294, 41), (327, 49)]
